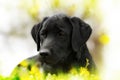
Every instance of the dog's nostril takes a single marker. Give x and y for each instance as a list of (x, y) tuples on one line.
[(44, 53)]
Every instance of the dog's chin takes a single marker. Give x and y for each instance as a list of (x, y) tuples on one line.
[(51, 67), (46, 67)]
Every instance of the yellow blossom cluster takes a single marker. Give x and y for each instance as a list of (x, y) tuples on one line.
[(28, 71)]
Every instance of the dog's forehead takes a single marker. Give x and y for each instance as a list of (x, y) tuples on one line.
[(55, 22)]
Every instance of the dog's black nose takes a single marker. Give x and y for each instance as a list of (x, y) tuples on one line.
[(44, 53)]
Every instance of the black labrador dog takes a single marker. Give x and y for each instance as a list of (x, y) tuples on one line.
[(61, 42)]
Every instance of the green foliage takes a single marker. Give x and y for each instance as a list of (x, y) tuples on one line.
[(23, 72), (80, 74)]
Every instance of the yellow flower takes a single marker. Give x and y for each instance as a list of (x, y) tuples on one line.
[(24, 63), (50, 77), (34, 70), (73, 71), (31, 6), (34, 73), (84, 72), (34, 10), (38, 75), (55, 4), (72, 9), (104, 38)]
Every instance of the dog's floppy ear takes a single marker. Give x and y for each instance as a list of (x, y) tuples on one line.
[(35, 33), (80, 33)]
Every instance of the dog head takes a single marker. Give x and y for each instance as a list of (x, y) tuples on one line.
[(59, 39)]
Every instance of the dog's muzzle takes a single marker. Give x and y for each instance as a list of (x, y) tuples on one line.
[(44, 53)]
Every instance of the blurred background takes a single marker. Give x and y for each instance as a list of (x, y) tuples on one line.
[(17, 17)]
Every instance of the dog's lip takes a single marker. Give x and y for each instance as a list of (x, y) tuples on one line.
[(50, 61), (47, 61)]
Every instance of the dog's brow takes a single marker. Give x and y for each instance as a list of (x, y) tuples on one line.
[(61, 27)]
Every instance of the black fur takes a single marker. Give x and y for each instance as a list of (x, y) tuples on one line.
[(61, 42)]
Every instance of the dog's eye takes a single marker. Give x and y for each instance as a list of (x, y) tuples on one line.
[(43, 35), (61, 33)]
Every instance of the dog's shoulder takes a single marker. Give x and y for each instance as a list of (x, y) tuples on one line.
[(27, 65), (34, 60)]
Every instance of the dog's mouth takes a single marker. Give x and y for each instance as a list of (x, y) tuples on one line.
[(52, 62), (49, 61)]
